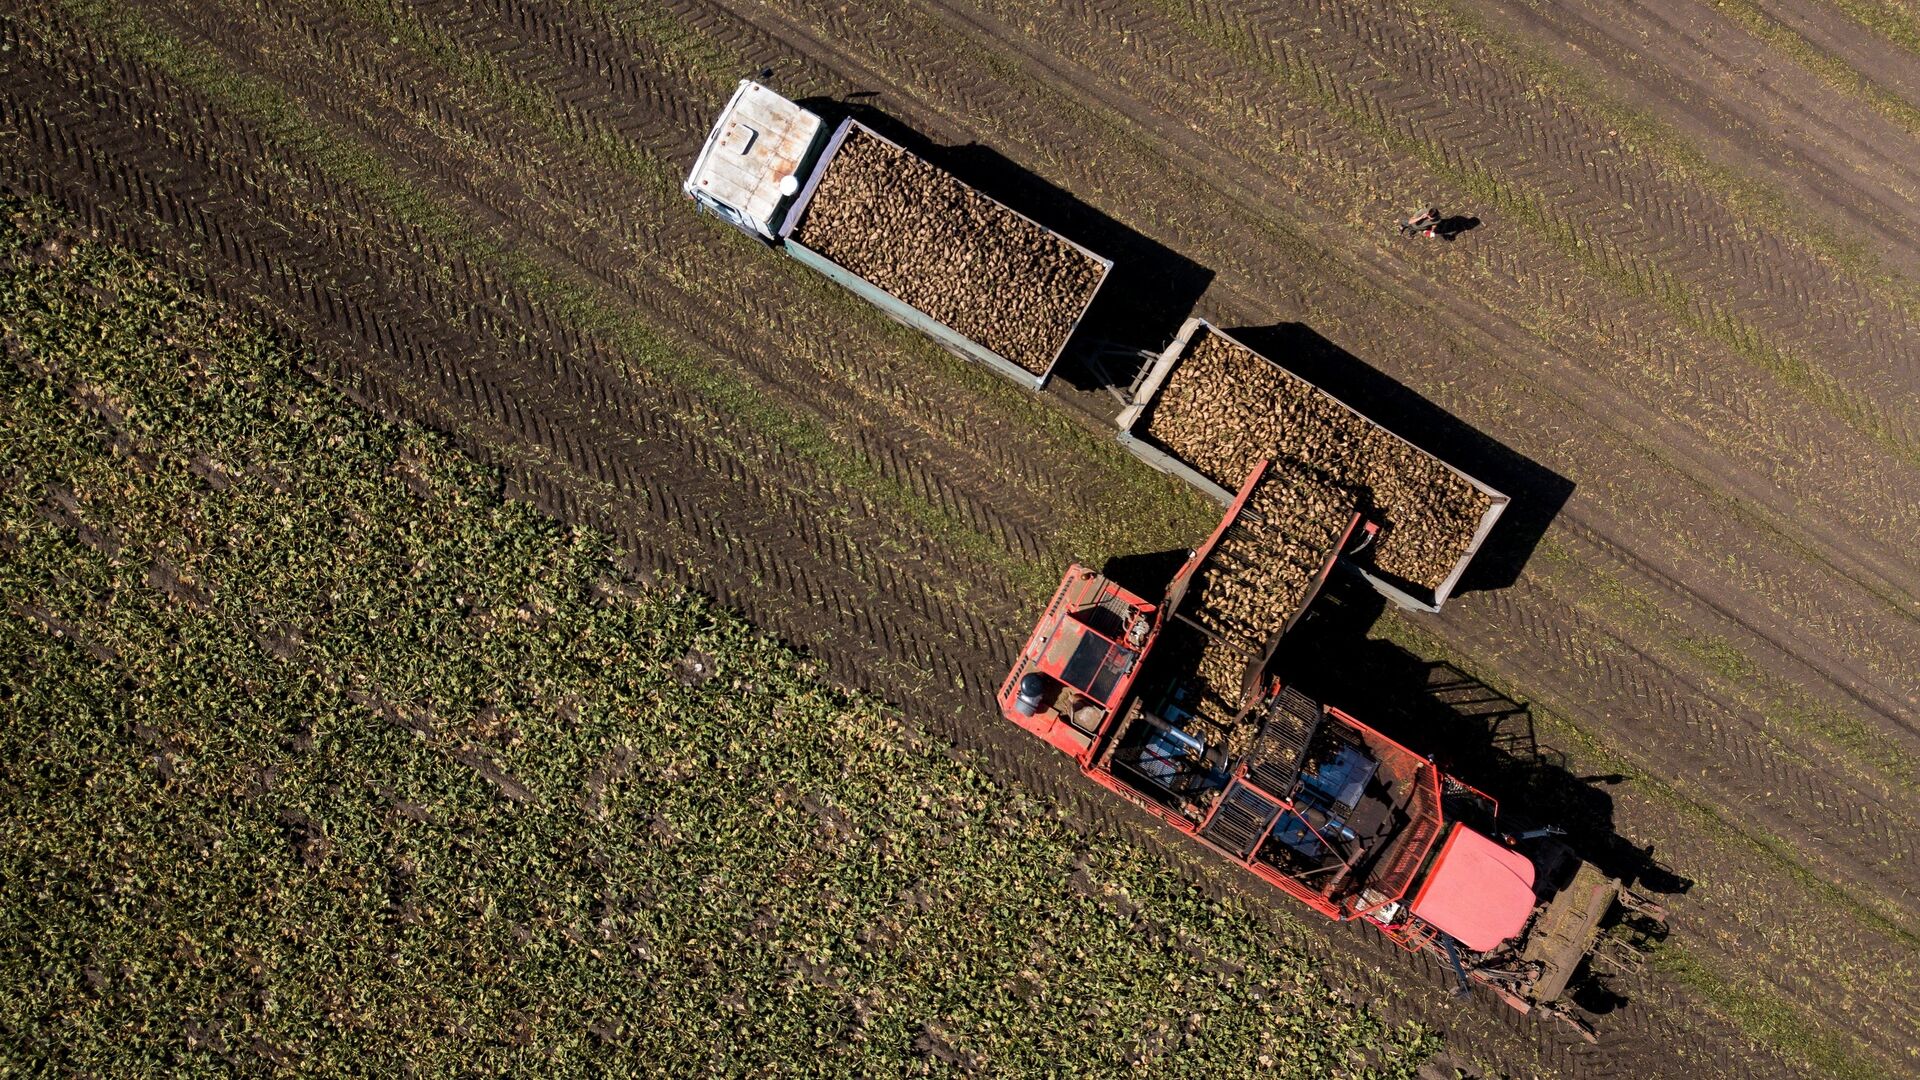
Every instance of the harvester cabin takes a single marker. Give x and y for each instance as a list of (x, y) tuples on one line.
[(754, 160), (1081, 661)]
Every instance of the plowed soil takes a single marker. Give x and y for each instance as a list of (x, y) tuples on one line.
[(1682, 336)]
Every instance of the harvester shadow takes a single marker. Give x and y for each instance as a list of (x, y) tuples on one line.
[(1538, 492), (1149, 293), (1145, 575), (1471, 730)]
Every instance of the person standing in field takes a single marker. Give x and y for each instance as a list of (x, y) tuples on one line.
[(1426, 223)]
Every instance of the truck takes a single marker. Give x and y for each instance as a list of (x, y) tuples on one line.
[(1170, 706), (984, 281)]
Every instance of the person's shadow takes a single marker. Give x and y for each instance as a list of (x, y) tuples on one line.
[(1450, 228)]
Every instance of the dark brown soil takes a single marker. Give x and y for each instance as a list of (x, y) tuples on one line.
[(942, 247)]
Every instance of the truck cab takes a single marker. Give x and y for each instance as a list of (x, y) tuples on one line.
[(761, 152)]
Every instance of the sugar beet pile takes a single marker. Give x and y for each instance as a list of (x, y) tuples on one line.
[(1224, 407), (944, 248)]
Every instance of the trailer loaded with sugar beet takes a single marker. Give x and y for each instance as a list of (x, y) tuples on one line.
[(1209, 407), (1170, 706), (988, 283), (995, 286)]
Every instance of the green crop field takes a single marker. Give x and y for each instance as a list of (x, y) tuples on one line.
[(320, 755)]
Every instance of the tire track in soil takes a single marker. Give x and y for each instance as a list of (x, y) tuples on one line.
[(1695, 70), (1621, 202), (62, 161), (1812, 817), (127, 202)]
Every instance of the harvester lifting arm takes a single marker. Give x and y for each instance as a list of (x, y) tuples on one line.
[(1532, 834), (1459, 968)]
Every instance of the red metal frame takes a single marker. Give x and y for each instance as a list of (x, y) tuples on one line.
[(1082, 587)]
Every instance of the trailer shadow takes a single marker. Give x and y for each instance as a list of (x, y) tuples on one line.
[(1149, 293), (1538, 492), (1471, 730)]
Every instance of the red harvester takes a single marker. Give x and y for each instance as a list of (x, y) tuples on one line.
[(1170, 707)]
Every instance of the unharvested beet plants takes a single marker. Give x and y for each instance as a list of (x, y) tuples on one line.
[(321, 757)]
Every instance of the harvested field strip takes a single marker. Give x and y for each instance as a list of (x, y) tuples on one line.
[(385, 767), (1865, 401), (1764, 208), (1665, 533), (1756, 673), (1833, 70), (1684, 228), (885, 386)]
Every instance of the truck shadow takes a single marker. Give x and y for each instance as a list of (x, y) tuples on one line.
[(1471, 730), (1150, 292), (1538, 492)]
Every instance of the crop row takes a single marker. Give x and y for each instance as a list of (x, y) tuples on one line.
[(325, 756)]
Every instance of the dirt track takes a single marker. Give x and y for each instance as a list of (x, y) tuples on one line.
[(470, 212)]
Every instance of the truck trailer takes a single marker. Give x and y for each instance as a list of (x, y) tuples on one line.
[(983, 280)]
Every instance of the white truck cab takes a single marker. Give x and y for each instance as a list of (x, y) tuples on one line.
[(759, 155)]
